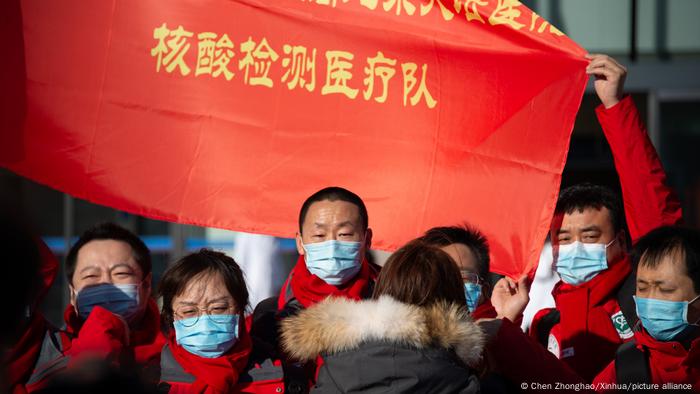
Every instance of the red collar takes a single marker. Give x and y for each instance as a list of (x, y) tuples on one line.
[(674, 349), (309, 289)]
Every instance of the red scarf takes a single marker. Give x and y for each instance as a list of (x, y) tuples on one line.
[(23, 356), (145, 340), (309, 289), (214, 375)]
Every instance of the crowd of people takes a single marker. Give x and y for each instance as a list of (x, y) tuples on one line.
[(432, 319)]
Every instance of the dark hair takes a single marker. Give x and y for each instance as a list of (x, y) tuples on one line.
[(175, 280), (674, 241), (587, 195), (109, 231), (465, 235), (335, 193), (421, 274)]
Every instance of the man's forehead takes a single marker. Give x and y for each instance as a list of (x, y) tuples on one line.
[(104, 251), (580, 218), (463, 255), (670, 263), (325, 213)]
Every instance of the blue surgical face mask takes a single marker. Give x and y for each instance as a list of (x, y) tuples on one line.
[(335, 262), (207, 336), (472, 291), (662, 319), (120, 299), (580, 262)]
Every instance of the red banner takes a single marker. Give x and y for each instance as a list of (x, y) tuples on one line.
[(230, 113)]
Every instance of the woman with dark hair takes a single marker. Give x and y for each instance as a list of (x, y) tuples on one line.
[(209, 349), (415, 335)]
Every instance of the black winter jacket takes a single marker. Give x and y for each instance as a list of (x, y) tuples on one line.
[(384, 346)]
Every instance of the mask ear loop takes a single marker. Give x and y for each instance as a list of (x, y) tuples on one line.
[(611, 242)]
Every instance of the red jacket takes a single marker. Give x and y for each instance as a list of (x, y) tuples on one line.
[(669, 362), (591, 325), (102, 336), (522, 360), (22, 357)]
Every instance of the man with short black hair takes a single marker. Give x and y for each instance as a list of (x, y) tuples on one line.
[(469, 248), (666, 349), (333, 243), (589, 241), (333, 240), (111, 315)]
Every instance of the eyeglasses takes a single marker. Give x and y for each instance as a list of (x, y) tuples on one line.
[(470, 277), (188, 315)]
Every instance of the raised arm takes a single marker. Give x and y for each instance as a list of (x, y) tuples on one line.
[(648, 201)]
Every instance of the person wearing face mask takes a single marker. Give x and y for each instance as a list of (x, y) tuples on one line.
[(414, 336), (667, 298), (470, 250), (333, 243), (111, 316), (513, 357), (209, 349), (333, 240), (589, 241)]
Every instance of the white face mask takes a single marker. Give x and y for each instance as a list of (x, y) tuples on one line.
[(335, 262), (579, 262)]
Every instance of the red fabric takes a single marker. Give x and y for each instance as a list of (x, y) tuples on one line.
[(115, 121), (649, 202), (485, 310), (213, 375), (309, 289), (585, 320), (534, 329), (145, 340), (521, 360), (102, 335), (22, 357), (668, 362), (47, 270)]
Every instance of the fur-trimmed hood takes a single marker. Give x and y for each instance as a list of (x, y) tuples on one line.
[(338, 324)]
